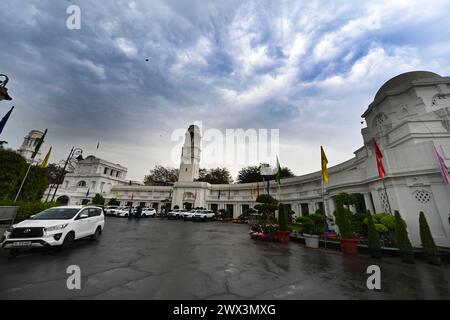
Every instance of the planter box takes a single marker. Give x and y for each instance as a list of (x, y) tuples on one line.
[(311, 241)]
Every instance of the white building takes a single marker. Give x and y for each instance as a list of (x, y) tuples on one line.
[(410, 115), (91, 175)]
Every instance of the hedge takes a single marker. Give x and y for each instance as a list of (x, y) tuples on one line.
[(27, 209)]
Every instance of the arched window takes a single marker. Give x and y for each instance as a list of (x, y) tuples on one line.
[(82, 183)]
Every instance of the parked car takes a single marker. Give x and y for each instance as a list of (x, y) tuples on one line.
[(204, 215), (111, 210), (189, 214), (124, 211), (148, 212), (57, 226), (176, 214)]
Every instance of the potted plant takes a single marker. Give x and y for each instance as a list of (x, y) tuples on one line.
[(432, 251), (349, 244), (269, 232), (403, 243), (314, 226), (283, 231), (373, 238)]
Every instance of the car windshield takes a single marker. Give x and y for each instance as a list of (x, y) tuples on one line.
[(56, 214)]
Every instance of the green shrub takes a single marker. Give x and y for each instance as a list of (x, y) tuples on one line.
[(342, 220), (282, 219), (267, 205), (113, 202), (98, 199), (224, 214), (383, 222), (373, 237), (357, 223), (27, 209), (313, 224), (269, 228), (401, 233), (425, 236), (346, 199)]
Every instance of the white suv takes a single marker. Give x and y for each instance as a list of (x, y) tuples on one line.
[(204, 215), (189, 215), (148, 212), (111, 210), (176, 214), (58, 226)]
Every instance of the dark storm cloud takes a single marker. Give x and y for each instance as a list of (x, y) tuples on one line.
[(231, 64)]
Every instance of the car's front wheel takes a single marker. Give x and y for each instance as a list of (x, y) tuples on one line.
[(68, 240)]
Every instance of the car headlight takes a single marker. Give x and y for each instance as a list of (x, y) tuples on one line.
[(10, 229), (58, 227)]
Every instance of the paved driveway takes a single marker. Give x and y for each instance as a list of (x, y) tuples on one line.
[(160, 259)]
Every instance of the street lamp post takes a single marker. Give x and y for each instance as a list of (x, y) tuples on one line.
[(3, 90), (75, 154)]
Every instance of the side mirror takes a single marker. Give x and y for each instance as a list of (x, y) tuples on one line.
[(84, 216)]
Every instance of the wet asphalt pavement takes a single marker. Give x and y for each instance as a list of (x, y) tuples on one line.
[(160, 259)]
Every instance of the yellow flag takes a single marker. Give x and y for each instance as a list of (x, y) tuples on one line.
[(45, 162), (324, 161)]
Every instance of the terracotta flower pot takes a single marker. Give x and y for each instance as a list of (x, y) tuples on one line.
[(282, 236), (349, 246)]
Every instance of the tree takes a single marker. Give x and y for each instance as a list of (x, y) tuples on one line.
[(403, 243), (34, 187), (113, 202), (13, 169), (342, 220), (425, 236), (216, 176), (267, 205), (373, 237), (54, 173), (282, 220), (161, 176), (346, 199), (98, 199), (251, 174)]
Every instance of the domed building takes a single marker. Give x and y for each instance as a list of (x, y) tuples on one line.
[(409, 117)]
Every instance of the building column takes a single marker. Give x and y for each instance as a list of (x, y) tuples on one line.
[(331, 206), (368, 202)]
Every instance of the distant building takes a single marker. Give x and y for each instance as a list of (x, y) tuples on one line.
[(91, 175), (29, 144)]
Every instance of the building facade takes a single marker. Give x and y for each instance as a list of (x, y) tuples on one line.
[(409, 117), (90, 176)]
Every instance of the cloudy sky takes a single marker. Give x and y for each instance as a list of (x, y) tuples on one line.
[(309, 68)]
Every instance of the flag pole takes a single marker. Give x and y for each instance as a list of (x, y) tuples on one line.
[(325, 211), (23, 181)]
